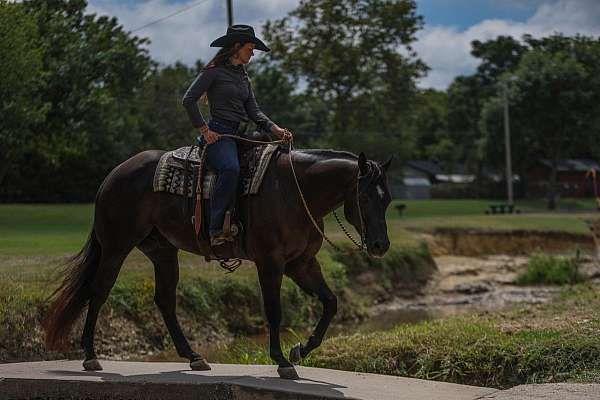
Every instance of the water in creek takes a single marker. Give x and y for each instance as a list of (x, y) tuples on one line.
[(220, 352), (388, 317)]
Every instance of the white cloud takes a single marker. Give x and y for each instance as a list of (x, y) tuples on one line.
[(186, 37), (569, 17), (447, 50)]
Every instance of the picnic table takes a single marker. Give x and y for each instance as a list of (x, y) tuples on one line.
[(502, 209)]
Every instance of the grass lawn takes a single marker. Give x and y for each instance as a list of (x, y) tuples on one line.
[(56, 230), (43, 230), (430, 214), (459, 207)]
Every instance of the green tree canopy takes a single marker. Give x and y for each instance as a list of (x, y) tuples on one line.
[(21, 53), (356, 56), (276, 92), (553, 105), (165, 124), (92, 72), (467, 95)]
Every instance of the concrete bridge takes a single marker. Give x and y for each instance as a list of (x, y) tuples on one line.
[(55, 380)]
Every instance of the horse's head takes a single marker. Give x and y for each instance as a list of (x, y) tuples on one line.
[(371, 203)]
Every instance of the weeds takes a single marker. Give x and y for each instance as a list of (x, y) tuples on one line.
[(550, 270)]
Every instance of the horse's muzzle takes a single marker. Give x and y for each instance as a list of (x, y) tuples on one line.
[(378, 248)]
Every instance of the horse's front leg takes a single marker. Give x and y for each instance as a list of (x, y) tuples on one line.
[(270, 275), (307, 275)]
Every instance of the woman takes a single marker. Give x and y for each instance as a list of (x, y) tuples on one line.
[(224, 82)]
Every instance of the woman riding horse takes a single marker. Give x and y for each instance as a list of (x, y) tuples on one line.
[(224, 81), (283, 238)]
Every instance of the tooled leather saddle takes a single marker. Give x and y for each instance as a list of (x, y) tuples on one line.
[(185, 172)]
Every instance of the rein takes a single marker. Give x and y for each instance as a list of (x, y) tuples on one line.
[(361, 246)]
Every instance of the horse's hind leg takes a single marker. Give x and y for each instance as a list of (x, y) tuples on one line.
[(108, 270), (307, 275), (166, 272)]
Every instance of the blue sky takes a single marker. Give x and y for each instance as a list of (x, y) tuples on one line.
[(466, 13), (460, 13), (444, 43)]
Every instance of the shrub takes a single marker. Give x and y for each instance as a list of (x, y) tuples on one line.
[(544, 269), (403, 270)]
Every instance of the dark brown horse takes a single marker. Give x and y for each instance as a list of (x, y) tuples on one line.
[(280, 239)]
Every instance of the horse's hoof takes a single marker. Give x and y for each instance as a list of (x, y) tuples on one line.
[(295, 356), (92, 365), (199, 365), (288, 373)]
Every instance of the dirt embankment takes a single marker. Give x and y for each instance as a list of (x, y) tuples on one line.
[(478, 269), (214, 310), (478, 242)]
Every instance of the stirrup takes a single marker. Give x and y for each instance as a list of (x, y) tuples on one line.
[(227, 224), (230, 228), (218, 240)]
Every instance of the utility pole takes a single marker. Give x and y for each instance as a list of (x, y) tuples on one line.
[(229, 13), (509, 175)]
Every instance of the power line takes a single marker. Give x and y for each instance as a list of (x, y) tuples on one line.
[(196, 4)]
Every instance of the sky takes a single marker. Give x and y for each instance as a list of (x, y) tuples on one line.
[(444, 43)]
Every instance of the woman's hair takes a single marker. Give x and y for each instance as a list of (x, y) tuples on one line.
[(222, 57)]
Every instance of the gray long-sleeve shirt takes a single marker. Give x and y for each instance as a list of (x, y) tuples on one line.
[(230, 97)]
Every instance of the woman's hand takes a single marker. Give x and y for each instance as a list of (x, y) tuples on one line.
[(209, 136), (283, 134)]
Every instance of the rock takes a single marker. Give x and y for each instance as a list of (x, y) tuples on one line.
[(472, 288)]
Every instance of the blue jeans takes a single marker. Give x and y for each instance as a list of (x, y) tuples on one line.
[(222, 156)]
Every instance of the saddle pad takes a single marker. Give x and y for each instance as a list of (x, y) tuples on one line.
[(181, 153), (169, 173)]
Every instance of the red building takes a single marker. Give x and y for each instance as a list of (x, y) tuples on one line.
[(571, 177)]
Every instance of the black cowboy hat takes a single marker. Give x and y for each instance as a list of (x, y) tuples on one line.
[(239, 34)]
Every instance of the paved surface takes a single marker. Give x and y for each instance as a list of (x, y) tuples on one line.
[(145, 380), (550, 391)]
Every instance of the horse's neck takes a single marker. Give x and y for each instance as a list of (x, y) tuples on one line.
[(327, 181)]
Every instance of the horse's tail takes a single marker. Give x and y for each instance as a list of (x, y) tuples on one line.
[(73, 295)]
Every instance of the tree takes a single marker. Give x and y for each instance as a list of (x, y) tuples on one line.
[(554, 107), (356, 56), (165, 124), (93, 71), (304, 114), (468, 94), (497, 56), (429, 126), (22, 106), (465, 98)]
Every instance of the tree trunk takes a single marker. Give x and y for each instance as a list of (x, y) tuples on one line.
[(4, 164), (552, 189)]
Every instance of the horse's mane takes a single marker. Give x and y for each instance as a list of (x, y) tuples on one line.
[(329, 153)]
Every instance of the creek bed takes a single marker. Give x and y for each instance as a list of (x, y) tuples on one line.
[(462, 285)]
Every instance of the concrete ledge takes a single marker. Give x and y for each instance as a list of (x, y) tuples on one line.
[(549, 391), (54, 380)]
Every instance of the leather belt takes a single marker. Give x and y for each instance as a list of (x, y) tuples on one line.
[(240, 127)]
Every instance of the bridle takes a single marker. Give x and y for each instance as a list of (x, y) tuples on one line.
[(363, 236)]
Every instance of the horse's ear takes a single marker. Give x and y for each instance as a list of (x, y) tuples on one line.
[(362, 164), (386, 165)]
